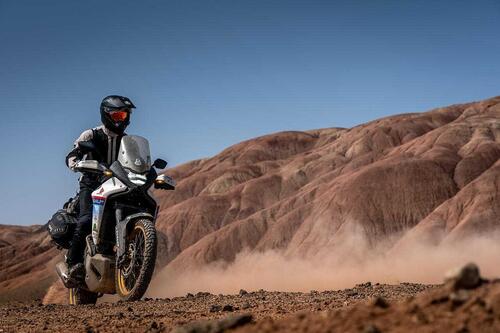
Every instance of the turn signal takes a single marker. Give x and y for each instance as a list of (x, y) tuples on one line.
[(159, 181), (108, 173)]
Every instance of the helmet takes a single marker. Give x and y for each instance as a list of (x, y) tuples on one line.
[(115, 112)]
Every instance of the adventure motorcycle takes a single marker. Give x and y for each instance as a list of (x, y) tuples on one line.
[(120, 252)]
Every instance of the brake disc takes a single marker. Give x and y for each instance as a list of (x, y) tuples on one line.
[(131, 254)]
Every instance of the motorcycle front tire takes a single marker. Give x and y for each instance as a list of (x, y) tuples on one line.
[(143, 228)]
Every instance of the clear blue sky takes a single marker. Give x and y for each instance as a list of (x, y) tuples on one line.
[(207, 74)]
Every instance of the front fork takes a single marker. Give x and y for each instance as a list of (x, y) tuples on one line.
[(120, 234), (121, 230)]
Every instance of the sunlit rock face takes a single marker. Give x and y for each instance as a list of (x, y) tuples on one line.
[(430, 177)]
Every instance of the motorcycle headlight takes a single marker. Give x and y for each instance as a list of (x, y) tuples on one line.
[(136, 178)]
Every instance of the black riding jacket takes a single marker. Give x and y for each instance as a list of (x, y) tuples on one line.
[(107, 145)]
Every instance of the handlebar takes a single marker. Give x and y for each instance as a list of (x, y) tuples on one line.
[(90, 166), (163, 182)]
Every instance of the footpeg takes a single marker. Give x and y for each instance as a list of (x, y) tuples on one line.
[(62, 271)]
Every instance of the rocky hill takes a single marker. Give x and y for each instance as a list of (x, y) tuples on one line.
[(388, 186), (27, 260), (429, 179)]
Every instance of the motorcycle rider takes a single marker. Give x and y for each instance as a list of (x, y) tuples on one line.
[(115, 117)]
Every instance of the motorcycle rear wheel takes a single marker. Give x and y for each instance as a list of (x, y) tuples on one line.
[(79, 296), (132, 279)]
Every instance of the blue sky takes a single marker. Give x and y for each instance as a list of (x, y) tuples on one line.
[(208, 74)]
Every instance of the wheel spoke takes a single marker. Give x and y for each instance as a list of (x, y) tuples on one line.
[(134, 263)]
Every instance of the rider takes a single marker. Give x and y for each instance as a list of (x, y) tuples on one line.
[(115, 117)]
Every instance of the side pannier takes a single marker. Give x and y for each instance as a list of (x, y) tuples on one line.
[(62, 224)]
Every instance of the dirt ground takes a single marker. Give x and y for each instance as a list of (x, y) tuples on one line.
[(438, 310), (366, 308), (264, 310)]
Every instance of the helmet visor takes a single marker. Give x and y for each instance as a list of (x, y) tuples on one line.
[(120, 115)]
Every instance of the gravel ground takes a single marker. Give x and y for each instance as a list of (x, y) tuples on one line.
[(439, 310), (165, 315)]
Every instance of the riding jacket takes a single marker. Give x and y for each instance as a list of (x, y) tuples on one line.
[(107, 145)]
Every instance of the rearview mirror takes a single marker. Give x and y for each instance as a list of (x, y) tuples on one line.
[(160, 164)]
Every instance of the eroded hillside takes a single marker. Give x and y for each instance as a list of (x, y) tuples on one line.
[(423, 179)]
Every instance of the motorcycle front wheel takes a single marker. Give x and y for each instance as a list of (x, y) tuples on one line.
[(135, 272)]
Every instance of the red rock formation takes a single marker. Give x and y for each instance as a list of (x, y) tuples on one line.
[(27, 262), (431, 176), (383, 178)]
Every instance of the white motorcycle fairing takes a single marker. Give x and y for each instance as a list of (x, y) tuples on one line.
[(99, 197), (120, 252)]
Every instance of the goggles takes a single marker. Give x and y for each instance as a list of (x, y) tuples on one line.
[(119, 115)]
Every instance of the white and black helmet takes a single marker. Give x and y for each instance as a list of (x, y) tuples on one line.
[(115, 112)]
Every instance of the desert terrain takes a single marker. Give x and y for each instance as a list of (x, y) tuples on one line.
[(465, 303), (399, 199), (169, 314)]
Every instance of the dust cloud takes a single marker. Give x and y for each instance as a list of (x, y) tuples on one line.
[(343, 266)]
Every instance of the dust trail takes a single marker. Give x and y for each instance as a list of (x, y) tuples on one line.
[(336, 269)]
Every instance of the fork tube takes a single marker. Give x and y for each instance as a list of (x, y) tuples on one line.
[(118, 215)]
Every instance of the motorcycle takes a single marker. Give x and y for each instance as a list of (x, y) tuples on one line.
[(120, 252)]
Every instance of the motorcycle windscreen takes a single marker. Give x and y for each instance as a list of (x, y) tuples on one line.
[(135, 154)]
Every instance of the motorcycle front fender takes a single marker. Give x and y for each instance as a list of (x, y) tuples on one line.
[(121, 231)]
